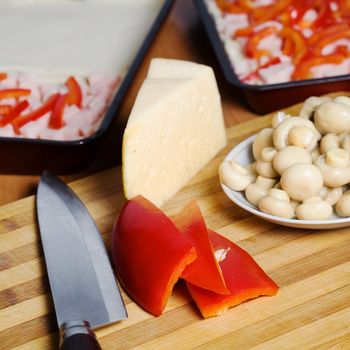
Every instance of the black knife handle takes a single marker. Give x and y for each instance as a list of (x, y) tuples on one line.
[(77, 335)]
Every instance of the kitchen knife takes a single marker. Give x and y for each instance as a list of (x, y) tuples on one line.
[(83, 285)]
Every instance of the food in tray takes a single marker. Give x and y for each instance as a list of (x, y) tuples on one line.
[(218, 273), (175, 127), (273, 41), (36, 108), (302, 163)]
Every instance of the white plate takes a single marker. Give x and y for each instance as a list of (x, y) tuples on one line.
[(243, 155)]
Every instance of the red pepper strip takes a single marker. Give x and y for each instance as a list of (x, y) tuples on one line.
[(74, 96), (251, 47), (303, 70), (324, 14), (5, 109), (149, 253), (330, 39), (321, 33), (205, 271), (56, 118), (299, 45), (240, 6), (266, 13), (14, 113), (3, 76), (14, 93), (243, 276), (36, 114), (255, 73)]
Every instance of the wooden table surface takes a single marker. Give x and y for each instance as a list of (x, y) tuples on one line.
[(182, 37)]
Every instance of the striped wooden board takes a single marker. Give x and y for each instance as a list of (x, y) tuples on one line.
[(311, 310)]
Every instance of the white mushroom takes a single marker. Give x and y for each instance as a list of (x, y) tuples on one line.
[(315, 153), (235, 176), (331, 195), (314, 209), (345, 143), (255, 191), (343, 99), (328, 142), (277, 203), (278, 117), (295, 131), (264, 165), (302, 181), (343, 205), (335, 167), (332, 117), (290, 155), (263, 139), (310, 105)]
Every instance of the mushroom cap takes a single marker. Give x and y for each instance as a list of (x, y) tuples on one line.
[(255, 191), (314, 209), (262, 140), (234, 175), (290, 155), (331, 195), (277, 203), (343, 205), (332, 117), (328, 142), (310, 104), (302, 181)]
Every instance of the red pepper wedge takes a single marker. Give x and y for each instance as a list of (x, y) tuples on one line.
[(149, 253), (75, 95), (243, 276), (14, 93), (36, 114), (205, 270), (56, 118), (14, 113)]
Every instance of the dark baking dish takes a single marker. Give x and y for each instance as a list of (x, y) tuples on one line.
[(263, 99), (32, 156)]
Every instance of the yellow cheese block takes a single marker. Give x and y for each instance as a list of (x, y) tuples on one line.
[(175, 127)]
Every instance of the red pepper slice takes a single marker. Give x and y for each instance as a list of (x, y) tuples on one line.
[(149, 253), (14, 113), (251, 47), (56, 118), (75, 95), (325, 40), (205, 271), (3, 76), (5, 109), (36, 114), (239, 6), (243, 276), (266, 13), (296, 43), (14, 93)]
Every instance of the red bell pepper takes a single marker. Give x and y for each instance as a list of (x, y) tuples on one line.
[(5, 109), (251, 48), (75, 95), (296, 45), (14, 113), (14, 93), (56, 118), (269, 12), (149, 253), (243, 276), (205, 270), (36, 114), (239, 6)]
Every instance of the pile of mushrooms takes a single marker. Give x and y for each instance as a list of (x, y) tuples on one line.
[(302, 163)]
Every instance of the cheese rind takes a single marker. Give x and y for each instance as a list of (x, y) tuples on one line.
[(175, 127)]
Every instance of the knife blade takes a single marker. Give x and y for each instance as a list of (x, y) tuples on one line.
[(83, 286)]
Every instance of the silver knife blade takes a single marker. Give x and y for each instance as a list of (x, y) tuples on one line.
[(82, 282)]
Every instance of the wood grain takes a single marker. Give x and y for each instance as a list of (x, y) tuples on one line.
[(312, 268)]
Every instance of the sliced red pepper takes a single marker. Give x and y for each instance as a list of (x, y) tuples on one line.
[(239, 6), (149, 253), (205, 271), (325, 40), (296, 43), (243, 276), (266, 13), (36, 114), (56, 118), (3, 76), (5, 109), (14, 113), (75, 95), (14, 93), (251, 48)]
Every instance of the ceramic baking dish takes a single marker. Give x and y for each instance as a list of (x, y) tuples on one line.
[(263, 99), (32, 156)]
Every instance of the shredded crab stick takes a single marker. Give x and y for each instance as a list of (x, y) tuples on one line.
[(307, 36), (149, 253), (205, 270), (244, 278)]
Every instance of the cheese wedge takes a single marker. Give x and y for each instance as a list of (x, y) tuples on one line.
[(175, 127)]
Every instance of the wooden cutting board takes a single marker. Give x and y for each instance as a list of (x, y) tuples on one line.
[(311, 310)]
